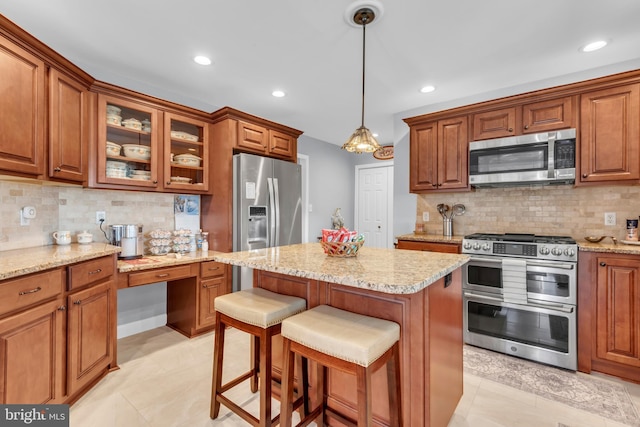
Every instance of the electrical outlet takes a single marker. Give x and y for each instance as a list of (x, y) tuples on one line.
[(609, 218), (425, 216), (101, 216)]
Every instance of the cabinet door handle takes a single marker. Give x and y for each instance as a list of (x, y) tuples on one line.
[(584, 175), (155, 182), (32, 291), (434, 185), (603, 264), (168, 182), (162, 275), (57, 169), (78, 302), (510, 129), (95, 271), (526, 126), (62, 308)]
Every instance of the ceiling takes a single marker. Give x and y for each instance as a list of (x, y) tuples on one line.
[(306, 48)]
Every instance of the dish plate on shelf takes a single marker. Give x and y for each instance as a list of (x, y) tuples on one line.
[(182, 179), (176, 134), (630, 242)]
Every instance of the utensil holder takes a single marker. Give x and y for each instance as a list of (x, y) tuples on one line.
[(447, 227)]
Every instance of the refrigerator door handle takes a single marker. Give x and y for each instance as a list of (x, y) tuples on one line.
[(277, 203), (272, 215)]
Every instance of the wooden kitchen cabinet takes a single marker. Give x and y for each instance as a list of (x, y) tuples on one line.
[(89, 334), (32, 366), (68, 128), (609, 307), (438, 156), (261, 140), (213, 282), (186, 154), (531, 117), (451, 248), (610, 135), (23, 107)]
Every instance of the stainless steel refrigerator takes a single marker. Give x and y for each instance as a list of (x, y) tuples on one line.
[(267, 207)]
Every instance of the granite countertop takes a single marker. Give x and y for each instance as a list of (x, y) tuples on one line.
[(150, 261), (392, 271), (19, 262), (607, 246), (431, 238)]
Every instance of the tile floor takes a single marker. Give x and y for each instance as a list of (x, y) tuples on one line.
[(165, 381)]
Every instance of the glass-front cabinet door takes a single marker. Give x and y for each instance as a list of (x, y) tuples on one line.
[(128, 142), (186, 154)]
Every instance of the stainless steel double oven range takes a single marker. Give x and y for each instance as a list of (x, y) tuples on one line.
[(520, 296)]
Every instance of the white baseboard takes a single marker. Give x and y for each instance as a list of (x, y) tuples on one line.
[(142, 325)]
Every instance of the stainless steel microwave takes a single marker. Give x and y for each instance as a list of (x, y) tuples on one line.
[(540, 158)]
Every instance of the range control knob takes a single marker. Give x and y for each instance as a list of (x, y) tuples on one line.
[(476, 246), (569, 252), (544, 250), (486, 247), (556, 251), (467, 245)]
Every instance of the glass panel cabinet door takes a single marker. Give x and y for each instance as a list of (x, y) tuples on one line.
[(186, 154), (127, 143)]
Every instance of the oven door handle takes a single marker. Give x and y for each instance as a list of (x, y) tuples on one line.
[(552, 306), (564, 266), (472, 295), (491, 260)]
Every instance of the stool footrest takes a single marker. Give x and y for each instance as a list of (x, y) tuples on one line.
[(241, 412), (231, 384)]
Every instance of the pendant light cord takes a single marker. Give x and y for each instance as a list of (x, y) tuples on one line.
[(364, 37)]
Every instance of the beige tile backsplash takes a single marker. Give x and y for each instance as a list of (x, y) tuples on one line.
[(557, 210), (74, 208)]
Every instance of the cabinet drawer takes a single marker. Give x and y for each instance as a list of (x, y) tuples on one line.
[(161, 275), (211, 269), (90, 272), (25, 291)]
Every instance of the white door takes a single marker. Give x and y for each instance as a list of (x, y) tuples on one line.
[(374, 204)]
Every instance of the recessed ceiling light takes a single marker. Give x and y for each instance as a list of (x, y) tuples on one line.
[(278, 93), (375, 135), (594, 46), (202, 60), (427, 89)]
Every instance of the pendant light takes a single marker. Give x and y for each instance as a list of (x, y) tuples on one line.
[(362, 141)]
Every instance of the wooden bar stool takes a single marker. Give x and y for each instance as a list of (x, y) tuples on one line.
[(350, 342), (257, 312)]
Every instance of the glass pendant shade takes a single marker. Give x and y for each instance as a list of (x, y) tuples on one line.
[(361, 141)]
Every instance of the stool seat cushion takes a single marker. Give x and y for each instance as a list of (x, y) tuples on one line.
[(259, 307), (348, 336)]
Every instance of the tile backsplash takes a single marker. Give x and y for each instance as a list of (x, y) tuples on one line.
[(557, 210), (74, 208)]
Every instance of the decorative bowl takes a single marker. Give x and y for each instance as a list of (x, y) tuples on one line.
[(184, 135), (342, 249), (187, 159), (141, 152), (113, 149), (132, 124), (181, 179), (114, 164), (113, 110), (114, 119)]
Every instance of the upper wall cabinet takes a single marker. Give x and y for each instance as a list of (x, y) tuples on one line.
[(610, 135), (264, 141), (186, 154), (532, 117), (438, 156), (22, 121)]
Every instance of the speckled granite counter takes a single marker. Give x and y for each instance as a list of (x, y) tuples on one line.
[(31, 260), (149, 262), (391, 271), (607, 246), (432, 238)]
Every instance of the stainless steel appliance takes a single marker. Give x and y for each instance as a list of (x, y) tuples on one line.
[(126, 236), (520, 296), (267, 207), (540, 158)]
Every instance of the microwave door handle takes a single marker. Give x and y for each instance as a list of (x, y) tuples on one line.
[(551, 162), (563, 266)]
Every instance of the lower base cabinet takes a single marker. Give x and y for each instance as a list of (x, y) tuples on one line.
[(451, 248), (609, 314), (32, 366)]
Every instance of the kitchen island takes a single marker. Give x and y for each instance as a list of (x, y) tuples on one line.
[(421, 291)]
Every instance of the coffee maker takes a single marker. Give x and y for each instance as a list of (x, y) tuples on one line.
[(127, 237)]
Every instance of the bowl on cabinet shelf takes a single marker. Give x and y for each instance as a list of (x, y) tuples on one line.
[(135, 151), (187, 159), (114, 119), (132, 124), (181, 179), (184, 135), (113, 149), (113, 110)]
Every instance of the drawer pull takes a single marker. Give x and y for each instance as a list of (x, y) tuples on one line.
[(78, 302), (32, 291), (163, 275), (214, 269), (95, 271), (62, 308)]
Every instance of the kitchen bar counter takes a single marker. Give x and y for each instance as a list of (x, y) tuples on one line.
[(384, 270), (421, 291), (431, 238), (19, 262)]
